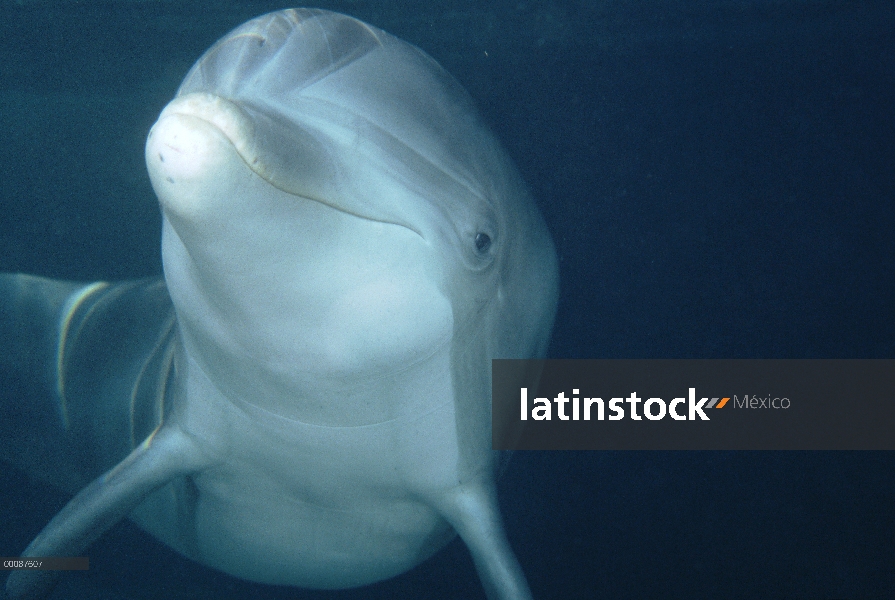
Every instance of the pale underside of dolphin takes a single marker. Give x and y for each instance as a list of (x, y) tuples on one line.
[(305, 398)]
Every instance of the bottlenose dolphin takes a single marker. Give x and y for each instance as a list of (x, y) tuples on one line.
[(305, 398)]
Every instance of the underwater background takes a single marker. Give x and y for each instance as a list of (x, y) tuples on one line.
[(719, 180)]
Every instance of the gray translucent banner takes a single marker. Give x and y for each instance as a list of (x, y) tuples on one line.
[(45, 563), (693, 404)]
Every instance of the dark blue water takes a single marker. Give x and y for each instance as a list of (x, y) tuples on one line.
[(718, 178)]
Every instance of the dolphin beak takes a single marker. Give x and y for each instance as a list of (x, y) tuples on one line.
[(184, 125)]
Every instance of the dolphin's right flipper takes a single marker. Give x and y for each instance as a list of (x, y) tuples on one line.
[(473, 511), (165, 455)]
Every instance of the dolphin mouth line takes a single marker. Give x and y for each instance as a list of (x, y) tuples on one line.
[(252, 164), (344, 210)]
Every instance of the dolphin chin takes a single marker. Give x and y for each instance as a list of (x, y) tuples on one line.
[(305, 399)]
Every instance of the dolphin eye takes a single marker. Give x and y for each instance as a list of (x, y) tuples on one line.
[(482, 242)]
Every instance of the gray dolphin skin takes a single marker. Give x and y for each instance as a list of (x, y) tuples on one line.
[(305, 399)]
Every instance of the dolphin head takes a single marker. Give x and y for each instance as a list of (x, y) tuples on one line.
[(333, 206)]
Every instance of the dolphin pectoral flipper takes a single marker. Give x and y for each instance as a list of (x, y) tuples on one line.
[(474, 513), (165, 455)]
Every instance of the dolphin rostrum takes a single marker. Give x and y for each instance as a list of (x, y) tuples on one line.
[(305, 398)]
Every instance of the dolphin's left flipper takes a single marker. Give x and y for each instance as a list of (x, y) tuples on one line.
[(473, 511), (165, 455)]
